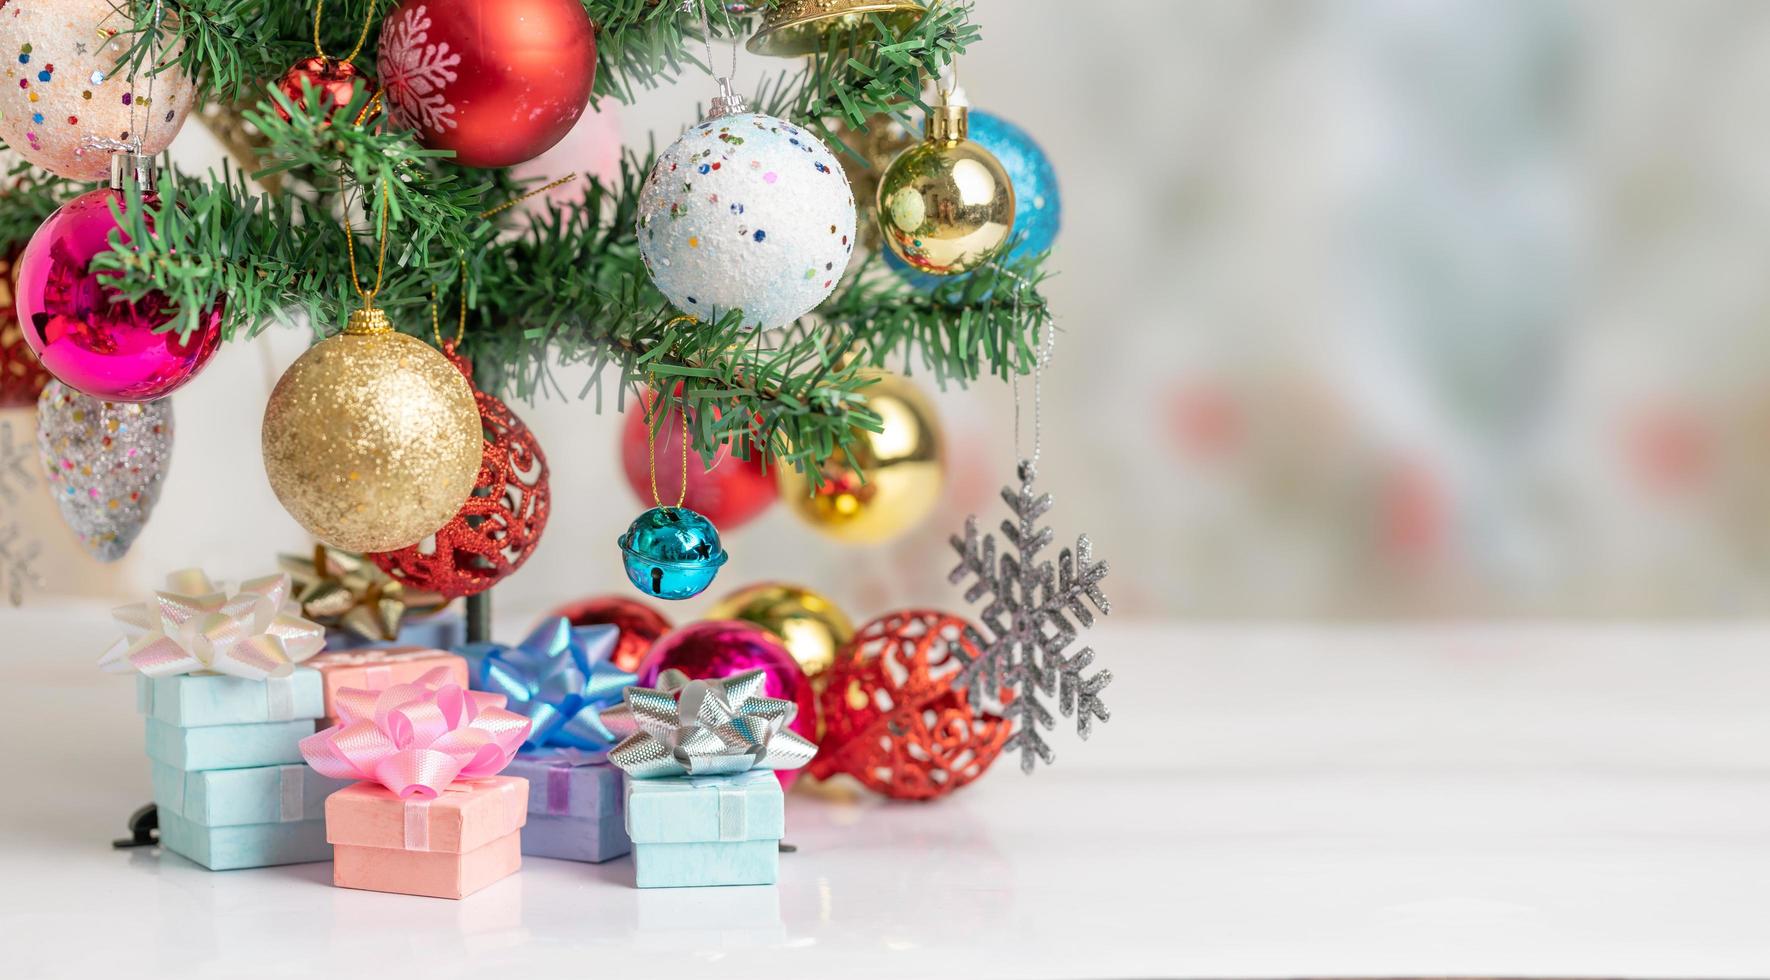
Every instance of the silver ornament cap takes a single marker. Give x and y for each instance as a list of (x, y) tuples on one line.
[(104, 462)]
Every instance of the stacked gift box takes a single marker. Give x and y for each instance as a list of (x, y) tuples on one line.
[(227, 774), (575, 809)]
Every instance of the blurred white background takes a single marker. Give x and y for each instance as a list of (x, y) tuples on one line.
[(1375, 308)]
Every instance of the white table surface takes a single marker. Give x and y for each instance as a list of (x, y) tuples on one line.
[(1533, 800)]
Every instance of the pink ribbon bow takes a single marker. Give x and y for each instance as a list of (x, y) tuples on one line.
[(417, 738)]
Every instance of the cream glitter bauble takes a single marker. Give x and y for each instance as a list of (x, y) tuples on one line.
[(372, 439), (746, 212), (58, 90)]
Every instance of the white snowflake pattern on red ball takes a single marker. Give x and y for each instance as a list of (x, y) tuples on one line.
[(414, 72)]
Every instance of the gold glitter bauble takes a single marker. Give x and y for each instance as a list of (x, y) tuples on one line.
[(946, 205), (791, 28), (899, 478), (372, 440), (810, 625)]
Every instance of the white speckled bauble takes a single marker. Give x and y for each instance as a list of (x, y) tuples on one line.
[(58, 90), (746, 212)]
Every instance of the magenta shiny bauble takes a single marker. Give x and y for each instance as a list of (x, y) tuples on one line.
[(87, 335), (719, 648)]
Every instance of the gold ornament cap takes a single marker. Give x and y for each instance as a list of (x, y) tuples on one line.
[(367, 322), (793, 28), (949, 122)]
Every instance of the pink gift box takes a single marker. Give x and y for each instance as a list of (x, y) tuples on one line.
[(379, 669), (449, 847)]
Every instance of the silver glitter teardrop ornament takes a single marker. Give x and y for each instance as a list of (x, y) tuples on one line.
[(104, 462)]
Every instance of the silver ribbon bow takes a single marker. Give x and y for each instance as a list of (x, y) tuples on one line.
[(193, 626), (704, 728)]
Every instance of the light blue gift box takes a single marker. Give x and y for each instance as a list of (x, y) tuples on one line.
[(201, 700), (575, 811), (227, 746), (706, 830), (244, 818)]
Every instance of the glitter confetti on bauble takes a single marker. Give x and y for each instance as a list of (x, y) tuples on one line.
[(893, 718), (720, 648), (499, 526), (372, 439), (894, 480), (87, 334), (730, 493), (60, 94), (640, 625), (497, 81), (746, 212), (104, 463)]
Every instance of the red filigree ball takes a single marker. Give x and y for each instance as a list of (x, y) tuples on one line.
[(22, 376), (892, 718), (333, 83), (501, 523)]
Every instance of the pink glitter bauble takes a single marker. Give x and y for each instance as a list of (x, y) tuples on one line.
[(718, 648), (88, 336)]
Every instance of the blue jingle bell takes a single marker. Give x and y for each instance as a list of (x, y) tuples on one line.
[(671, 552)]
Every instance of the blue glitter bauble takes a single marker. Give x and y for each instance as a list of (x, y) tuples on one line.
[(746, 212), (671, 552), (1038, 204)]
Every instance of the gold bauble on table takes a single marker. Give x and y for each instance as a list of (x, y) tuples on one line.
[(900, 473), (372, 440), (811, 626), (793, 28), (946, 205)]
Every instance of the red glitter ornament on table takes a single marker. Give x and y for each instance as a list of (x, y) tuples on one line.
[(333, 82), (892, 718), (22, 376), (496, 81), (640, 625), (719, 648), (730, 493), (501, 523)]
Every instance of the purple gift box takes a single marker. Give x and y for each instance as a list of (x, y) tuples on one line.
[(442, 631), (575, 805)]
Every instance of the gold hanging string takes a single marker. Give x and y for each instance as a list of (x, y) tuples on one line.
[(651, 440), (368, 296), (361, 39), (461, 327), (513, 202)]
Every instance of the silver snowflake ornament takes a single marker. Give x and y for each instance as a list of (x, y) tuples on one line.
[(1030, 620)]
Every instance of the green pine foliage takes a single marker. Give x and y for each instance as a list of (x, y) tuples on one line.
[(559, 284)]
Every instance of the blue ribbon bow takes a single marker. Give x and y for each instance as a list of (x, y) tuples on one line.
[(560, 678)]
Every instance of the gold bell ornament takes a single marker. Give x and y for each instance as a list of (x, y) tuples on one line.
[(895, 477), (793, 28), (946, 205)]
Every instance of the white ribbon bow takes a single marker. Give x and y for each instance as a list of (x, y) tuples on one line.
[(193, 626)]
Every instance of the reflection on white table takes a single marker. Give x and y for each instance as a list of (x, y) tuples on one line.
[(1266, 802)]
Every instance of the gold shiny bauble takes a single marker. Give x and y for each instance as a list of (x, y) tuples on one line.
[(811, 626), (946, 205), (792, 28), (371, 439), (899, 477)]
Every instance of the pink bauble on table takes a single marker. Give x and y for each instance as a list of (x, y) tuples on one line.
[(719, 648), (87, 335)]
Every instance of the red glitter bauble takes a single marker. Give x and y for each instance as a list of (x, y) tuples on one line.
[(892, 718), (730, 494), (497, 81), (22, 376), (333, 83), (718, 648), (501, 523), (640, 625)]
